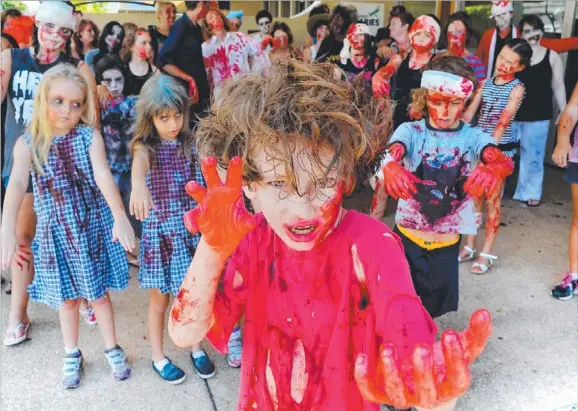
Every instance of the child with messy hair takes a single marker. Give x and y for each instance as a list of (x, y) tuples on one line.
[(332, 318)]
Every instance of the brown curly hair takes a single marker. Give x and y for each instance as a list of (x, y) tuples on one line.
[(443, 62), (297, 101)]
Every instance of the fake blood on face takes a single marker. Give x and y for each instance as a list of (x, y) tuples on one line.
[(444, 110)]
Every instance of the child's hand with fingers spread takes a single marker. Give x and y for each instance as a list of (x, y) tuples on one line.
[(399, 181), (221, 216), (436, 374), (141, 202), (9, 245), (122, 232)]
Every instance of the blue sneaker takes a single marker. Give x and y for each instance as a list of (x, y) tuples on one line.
[(171, 373), (204, 367), (118, 362), (71, 370), (567, 288)]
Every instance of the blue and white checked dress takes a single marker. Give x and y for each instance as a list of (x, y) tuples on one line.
[(74, 255), (494, 101), (167, 248)]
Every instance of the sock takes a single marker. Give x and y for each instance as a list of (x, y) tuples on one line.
[(71, 351), (198, 354), (574, 276), (161, 364), (111, 349), (236, 332)]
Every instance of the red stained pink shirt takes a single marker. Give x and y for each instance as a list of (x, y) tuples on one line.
[(308, 315)]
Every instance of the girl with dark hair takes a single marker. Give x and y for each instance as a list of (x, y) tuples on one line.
[(164, 161), (283, 49), (85, 39), (8, 41), (318, 29), (358, 55), (431, 167), (110, 42), (498, 100), (138, 62), (21, 71), (544, 82), (458, 32)]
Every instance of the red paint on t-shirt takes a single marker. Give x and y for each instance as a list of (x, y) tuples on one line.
[(308, 315)]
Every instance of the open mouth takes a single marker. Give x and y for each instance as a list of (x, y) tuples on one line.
[(534, 39), (302, 232)]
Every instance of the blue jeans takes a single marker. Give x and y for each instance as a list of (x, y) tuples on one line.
[(532, 136)]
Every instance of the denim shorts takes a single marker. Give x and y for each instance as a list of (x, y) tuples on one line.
[(571, 175)]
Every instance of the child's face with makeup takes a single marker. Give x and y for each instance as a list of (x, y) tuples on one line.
[(508, 62), (113, 80), (444, 110), (142, 45), (169, 124), (301, 219), (65, 105)]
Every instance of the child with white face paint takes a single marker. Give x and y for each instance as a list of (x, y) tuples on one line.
[(109, 43), (118, 114), (543, 79)]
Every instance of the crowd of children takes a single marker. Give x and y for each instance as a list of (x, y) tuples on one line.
[(105, 153)]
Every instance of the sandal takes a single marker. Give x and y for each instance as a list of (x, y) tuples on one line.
[(483, 267), (471, 255), (533, 203), (13, 332)]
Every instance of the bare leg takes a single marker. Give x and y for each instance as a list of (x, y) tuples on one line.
[(573, 241), (105, 316), (68, 314), (494, 204), (22, 266), (471, 239), (158, 304)]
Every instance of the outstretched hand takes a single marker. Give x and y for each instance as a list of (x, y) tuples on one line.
[(435, 375), (399, 181), (487, 176), (221, 216)]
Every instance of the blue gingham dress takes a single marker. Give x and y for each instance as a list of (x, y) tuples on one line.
[(167, 248), (74, 255)]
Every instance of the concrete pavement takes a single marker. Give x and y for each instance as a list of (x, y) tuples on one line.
[(530, 363)]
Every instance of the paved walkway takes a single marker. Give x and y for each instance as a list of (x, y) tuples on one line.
[(530, 364)]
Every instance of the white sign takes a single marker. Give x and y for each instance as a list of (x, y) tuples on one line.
[(370, 14)]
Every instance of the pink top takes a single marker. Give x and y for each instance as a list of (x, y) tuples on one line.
[(308, 315)]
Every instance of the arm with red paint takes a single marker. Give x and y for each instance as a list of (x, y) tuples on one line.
[(140, 197), (222, 220), (474, 106), (122, 230), (399, 181), (410, 369), (5, 72), (514, 101), (381, 79), (485, 179), (568, 120), (14, 195)]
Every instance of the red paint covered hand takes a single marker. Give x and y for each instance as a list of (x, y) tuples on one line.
[(434, 376), (380, 84), (221, 216), (267, 41), (486, 178), (193, 91), (399, 181)]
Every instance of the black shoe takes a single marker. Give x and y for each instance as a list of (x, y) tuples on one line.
[(204, 367), (392, 408)]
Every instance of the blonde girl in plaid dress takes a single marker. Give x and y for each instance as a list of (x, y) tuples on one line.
[(82, 227), (164, 161)]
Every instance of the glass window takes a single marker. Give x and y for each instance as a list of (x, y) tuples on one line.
[(285, 9), (551, 12)]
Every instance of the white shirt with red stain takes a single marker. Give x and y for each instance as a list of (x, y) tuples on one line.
[(229, 58)]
